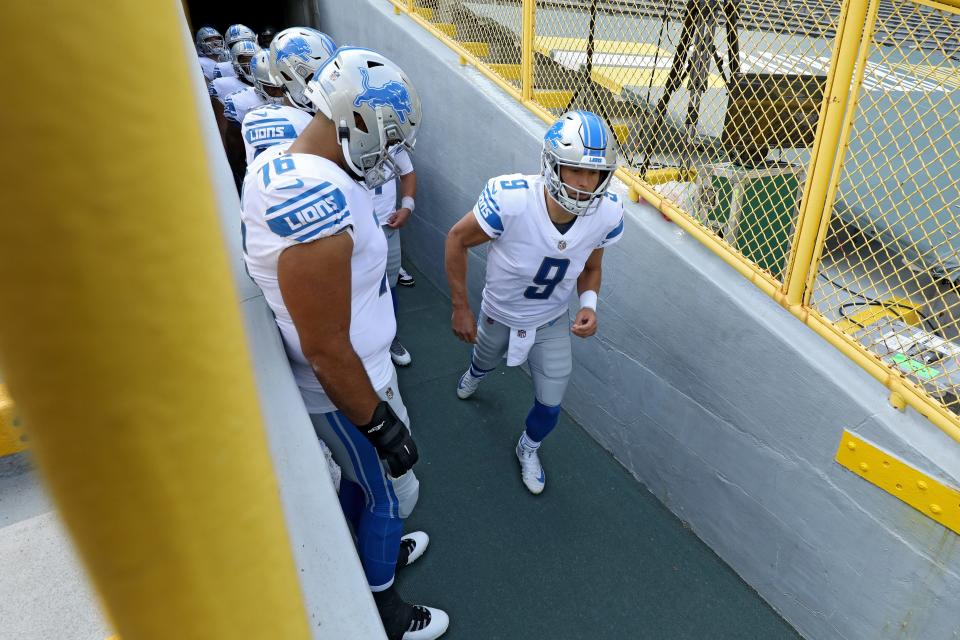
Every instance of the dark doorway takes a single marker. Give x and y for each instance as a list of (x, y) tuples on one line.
[(220, 14)]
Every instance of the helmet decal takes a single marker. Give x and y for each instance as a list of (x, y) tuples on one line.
[(392, 94)]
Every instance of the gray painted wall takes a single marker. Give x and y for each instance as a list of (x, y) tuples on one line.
[(336, 596), (720, 402)]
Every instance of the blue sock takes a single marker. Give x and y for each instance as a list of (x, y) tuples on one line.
[(393, 293), (378, 543), (352, 501), (541, 420)]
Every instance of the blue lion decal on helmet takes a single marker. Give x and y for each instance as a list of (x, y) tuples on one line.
[(554, 135), (392, 94), (294, 47)]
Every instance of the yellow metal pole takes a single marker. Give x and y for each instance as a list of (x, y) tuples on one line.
[(836, 93), (834, 180), (121, 337), (410, 6), (526, 50)]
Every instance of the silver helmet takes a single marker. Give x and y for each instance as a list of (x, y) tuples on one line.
[(374, 107), (269, 88), (238, 32), (210, 43), (241, 54), (295, 54), (579, 139)]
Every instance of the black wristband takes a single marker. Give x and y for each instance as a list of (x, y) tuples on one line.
[(385, 429)]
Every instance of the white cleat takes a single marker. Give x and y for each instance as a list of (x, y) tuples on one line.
[(467, 385), (428, 623), (531, 471), (412, 547), (399, 355)]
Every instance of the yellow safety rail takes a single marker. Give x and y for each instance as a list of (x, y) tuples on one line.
[(121, 337), (812, 145)]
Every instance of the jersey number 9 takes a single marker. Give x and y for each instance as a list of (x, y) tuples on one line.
[(549, 275)]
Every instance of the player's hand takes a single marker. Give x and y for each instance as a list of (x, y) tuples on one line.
[(392, 440), (398, 218), (464, 324), (585, 324)]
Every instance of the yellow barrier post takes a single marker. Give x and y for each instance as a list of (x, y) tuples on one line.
[(122, 340), (526, 49), (841, 151), (814, 205)]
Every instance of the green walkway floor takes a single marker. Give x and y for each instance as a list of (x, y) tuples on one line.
[(594, 556)]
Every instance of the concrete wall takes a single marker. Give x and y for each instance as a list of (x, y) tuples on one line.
[(335, 592), (722, 404)]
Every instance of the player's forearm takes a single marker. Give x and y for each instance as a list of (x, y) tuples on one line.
[(589, 280), (341, 372), (455, 260), (408, 185)]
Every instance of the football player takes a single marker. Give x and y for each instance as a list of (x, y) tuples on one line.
[(297, 53), (242, 53), (547, 233), (210, 51), (235, 33), (315, 248), (391, 219)]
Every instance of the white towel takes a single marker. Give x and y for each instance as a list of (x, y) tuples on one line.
[(521, 341)]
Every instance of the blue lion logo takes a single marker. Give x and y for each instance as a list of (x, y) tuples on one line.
[(294, 47), (392, 94), (554, 135)]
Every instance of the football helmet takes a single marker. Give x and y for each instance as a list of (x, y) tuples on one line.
[(237, 32), (210, 43), (295, 54), (241, 54), (374, 107), (578, 139), (269, 88)]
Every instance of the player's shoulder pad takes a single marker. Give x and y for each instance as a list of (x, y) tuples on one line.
[(304, 200)]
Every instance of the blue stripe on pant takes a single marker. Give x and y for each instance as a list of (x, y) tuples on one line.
[(379, 526)]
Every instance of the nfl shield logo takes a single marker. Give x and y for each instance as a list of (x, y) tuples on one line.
[(562, 245), (389, 393), (521, 333)]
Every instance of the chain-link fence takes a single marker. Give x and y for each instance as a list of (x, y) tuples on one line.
[(890, 266), (813, 144)]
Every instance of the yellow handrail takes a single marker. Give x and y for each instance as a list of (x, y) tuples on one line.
[(122, 340)]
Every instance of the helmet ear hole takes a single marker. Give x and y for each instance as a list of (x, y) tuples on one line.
[(359, 123), (372, 64)]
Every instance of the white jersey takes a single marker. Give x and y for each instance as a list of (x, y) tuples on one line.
[(531, 267), (224, 70), (385, 196), (271, 125), (297, 198), (209, 68), (220, 88), (239, 103)]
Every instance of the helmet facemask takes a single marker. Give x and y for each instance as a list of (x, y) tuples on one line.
[(573, 200)]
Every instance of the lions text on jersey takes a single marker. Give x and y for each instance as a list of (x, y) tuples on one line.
[(531, 267), (220, 88), (385, 196), (271, 125), (239, 103), (290, 199)]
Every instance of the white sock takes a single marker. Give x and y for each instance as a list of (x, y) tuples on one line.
[(527, 443)]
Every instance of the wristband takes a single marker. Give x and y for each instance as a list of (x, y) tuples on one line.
[(588, 300), (406, 202)]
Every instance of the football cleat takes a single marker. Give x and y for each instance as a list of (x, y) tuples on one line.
[(399, 355), (467, 385), (412, 547), (531, 471), (405, 279)]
